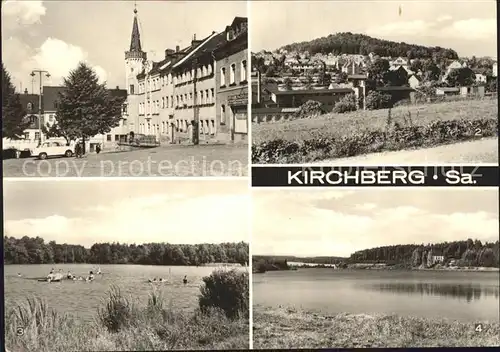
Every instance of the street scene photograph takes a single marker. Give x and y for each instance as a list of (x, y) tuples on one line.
[(374, 82), (120, 265), (124, 92), (372, 268)]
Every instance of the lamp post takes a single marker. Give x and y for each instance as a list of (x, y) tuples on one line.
[(33, 74)]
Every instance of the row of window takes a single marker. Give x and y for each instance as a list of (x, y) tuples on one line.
[(206, 96), (206, 127), (232, 74), (158, 82)]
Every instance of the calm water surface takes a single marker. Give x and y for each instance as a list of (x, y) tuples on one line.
[(83, 298), (465, 296)]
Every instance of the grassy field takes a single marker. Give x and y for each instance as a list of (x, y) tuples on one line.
[(123, 325), (345, 124), (291, 328), (335, 136)]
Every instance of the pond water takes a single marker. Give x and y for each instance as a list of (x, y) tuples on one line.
[(84, 298), (464, 296)]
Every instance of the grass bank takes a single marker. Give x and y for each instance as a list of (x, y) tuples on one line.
[(220, 322), (291, 328), (361, 132)]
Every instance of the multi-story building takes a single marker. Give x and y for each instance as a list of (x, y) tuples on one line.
[(194, 89), (175, 98), (232, 81)]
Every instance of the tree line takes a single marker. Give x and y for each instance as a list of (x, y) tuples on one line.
[(29, 250), (464, 253), (360, 44)]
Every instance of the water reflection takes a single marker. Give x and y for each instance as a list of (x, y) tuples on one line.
[(471, 292)]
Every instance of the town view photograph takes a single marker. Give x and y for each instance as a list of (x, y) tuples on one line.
[(374, 82), (124, 92), (375, 268), (120, 265)]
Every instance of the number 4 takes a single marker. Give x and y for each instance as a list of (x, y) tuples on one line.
[(478, 328)]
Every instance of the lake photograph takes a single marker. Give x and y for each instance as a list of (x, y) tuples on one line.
[(366, 268), (126, 265)]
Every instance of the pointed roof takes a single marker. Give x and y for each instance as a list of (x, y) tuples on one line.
[(135, 40)]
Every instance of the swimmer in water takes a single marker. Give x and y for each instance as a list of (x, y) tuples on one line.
[(185, 280)]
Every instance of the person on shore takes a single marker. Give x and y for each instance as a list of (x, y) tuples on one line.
[(185, 280)]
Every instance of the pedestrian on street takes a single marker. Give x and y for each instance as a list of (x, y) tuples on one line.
[(77, 149), (98, 148)]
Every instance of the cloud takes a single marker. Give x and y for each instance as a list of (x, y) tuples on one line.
[(293, 227), (54, 55), (59, 58), (366, 206), (442, 27), (23, 12), (444, 18), (403, 28), (472, 29), (159, 218)]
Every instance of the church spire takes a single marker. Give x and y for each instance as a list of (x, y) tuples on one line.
[(135, 40)]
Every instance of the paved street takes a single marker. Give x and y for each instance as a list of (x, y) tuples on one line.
[(474, 152), (202, 160)]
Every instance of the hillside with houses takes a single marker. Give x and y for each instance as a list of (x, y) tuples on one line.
[(346, 63)]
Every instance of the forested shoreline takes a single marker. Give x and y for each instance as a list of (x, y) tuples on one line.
[(466, 253), (34, 250)]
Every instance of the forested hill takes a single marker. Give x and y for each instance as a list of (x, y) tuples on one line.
[(349, 43), (28, 250), (467, 253)]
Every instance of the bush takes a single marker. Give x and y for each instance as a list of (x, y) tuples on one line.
[(376, 100), (117, 313), (396, 137), (309, 109), (227, 290), (346, 104)]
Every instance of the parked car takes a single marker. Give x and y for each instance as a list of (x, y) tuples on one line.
[(51, 148)]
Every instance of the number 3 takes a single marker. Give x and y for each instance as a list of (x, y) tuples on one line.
[(479, 328)]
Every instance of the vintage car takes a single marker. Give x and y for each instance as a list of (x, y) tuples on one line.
[(53, 148)]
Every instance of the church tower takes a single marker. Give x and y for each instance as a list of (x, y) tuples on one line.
[(134, 64), (134, 59)]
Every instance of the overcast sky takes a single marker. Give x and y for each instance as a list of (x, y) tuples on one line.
[(56, 35), (469, 27), (339, 222), (127, 211)]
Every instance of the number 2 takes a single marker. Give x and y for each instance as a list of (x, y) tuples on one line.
[(479, 328)]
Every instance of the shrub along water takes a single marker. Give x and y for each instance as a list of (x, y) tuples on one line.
[(121, 324), (394, 137)]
